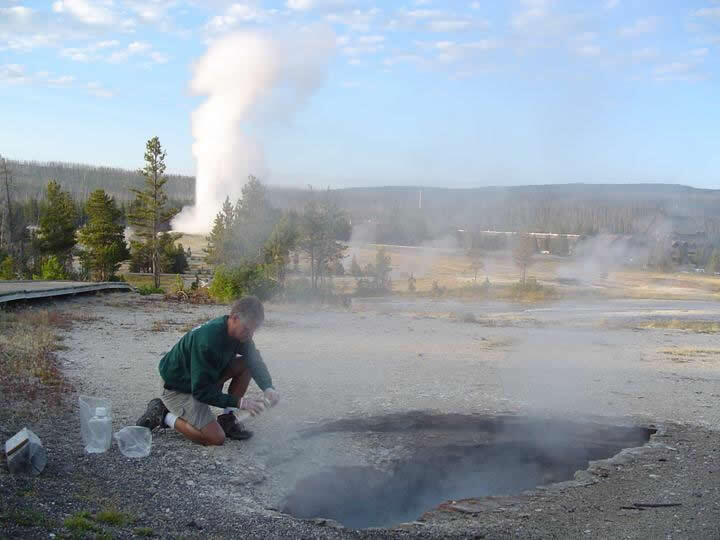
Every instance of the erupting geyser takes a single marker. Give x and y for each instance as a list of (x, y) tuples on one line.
[(246, 76)]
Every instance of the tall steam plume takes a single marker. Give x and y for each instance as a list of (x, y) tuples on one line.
[(245, 75)]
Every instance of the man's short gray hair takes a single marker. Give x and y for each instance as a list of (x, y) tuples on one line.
[(248, 309)]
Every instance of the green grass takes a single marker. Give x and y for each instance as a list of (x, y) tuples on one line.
[(81, 522), (112, 516), (26, 518), (149, 289), (146, 532)]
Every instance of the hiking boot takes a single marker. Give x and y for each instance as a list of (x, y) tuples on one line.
[(154, 416), (233, 428)]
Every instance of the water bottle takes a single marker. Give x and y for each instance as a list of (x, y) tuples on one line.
[(100, 427)]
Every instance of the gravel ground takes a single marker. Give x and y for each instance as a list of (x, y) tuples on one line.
[(390, 357)]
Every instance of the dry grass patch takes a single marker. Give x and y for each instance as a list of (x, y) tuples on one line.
[(696, 326), (688, 354), (496, 343), (161, 326), (190, 325), (28, 365)]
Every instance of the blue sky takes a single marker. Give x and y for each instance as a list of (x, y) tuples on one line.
[(455, 93)]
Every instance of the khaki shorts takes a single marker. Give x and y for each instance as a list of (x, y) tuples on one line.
[(188, 408)]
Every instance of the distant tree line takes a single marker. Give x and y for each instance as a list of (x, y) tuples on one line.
[(41, 237), (395, 213), (81, 180)]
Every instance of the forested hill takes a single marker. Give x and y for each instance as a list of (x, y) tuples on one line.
[(31, 177), (571, 208)]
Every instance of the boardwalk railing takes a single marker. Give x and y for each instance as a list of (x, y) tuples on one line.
[(11, 291)]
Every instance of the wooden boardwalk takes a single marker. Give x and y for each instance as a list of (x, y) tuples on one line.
[(12, 291)]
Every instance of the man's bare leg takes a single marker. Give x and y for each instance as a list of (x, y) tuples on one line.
[(239, 377), (210, 435)]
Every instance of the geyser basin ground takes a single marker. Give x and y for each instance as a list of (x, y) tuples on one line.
[(419, 460)]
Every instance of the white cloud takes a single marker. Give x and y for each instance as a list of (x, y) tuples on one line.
[(159, 58), (645, 54), (588, 50), (369, 44), (135, 48), (107, 44), (371, 40), (300, 5), (151, 10), (483, 45), (709, 13), (611, 4), (65, 80), (307, 5), (535, 11), (700, 52), (403, 59), (78, 54), (236, 15), (86, 11), (449, 25), (641, 26), (537, 23), (13, 74), (475, 5), (98, 90), (16, 13), (424, 13), (450, 52), (93, 52), (357, 19), (677, 71)]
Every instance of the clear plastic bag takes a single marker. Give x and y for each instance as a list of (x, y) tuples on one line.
[(88, 404), (134, 441)]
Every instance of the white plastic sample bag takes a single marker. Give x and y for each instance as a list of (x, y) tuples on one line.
[(88, 407), (25, 453), (134, 441)]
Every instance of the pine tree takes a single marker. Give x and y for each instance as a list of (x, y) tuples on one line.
[(383, 267), (713, 264), (102, 237), (151, 212), (282, 241), (6, 209), (254, 220), (57, 225), (523, 252), (222, 246), (320, 225), (355, 268), (476, 262)]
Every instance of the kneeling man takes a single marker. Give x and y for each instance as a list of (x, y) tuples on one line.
[(196, 369)]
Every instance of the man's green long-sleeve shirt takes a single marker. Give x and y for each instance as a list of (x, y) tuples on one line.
[(196, 363)]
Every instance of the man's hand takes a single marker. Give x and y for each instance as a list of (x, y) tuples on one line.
[(272, 396), (253, 406)]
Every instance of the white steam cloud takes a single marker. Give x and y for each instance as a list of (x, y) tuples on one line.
[(245, 75)]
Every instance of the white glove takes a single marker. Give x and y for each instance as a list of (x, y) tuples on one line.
[(272, 396), (253, 406)]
